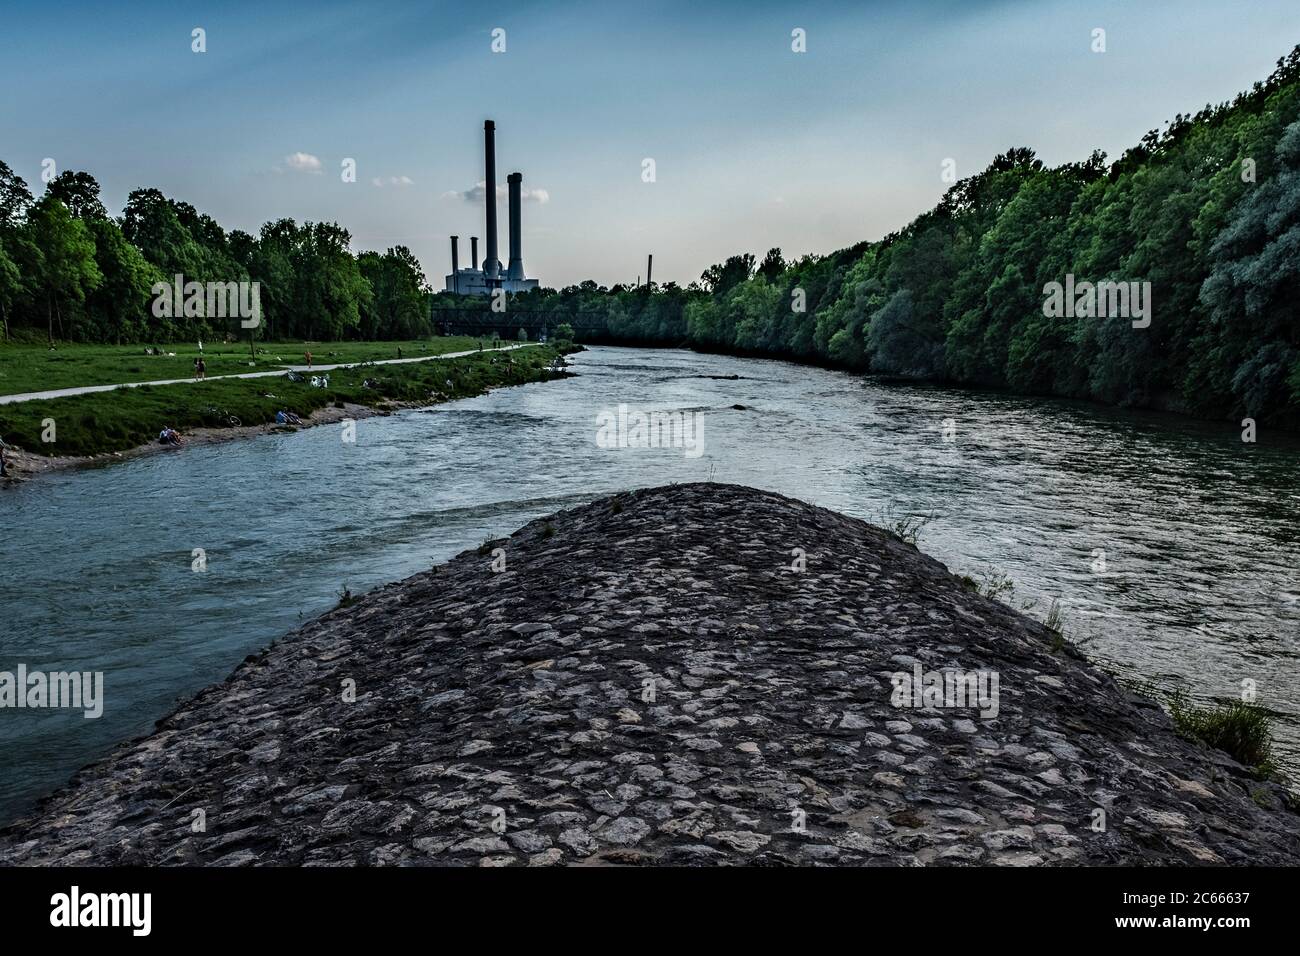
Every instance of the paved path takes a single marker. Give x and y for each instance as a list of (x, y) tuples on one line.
[(282, 370)]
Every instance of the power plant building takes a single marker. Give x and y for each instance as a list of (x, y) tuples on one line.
[(482, 281)]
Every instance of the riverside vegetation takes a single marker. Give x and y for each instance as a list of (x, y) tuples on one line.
[(1240, 729), (126, 418), (33, 368), (1204, 210)]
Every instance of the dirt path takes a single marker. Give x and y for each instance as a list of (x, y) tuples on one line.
[(282, 370)]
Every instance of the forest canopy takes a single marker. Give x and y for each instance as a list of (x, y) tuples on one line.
[(1204, 213), (69, 271)]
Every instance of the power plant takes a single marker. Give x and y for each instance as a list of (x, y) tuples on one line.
[(476, 281)]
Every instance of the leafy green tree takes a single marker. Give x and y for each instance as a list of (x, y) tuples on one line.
[(119, 308), (68, 270), (79, 192), (722, 278), (902, 343), (772, 265), (15, 198), (11, 286), (1253, 287)]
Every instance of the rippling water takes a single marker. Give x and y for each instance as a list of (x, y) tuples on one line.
[(1200, 532)]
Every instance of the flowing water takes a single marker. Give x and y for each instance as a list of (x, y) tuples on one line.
[(1198, 531)]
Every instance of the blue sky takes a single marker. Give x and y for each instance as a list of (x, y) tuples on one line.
[(754, 145)]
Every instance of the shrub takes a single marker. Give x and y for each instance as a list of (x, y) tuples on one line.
[(1239, 729)]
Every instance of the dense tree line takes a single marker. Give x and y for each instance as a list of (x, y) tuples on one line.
[(1207, 211), (69, 271)]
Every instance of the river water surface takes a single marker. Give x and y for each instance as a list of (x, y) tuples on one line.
[(1199, 531)]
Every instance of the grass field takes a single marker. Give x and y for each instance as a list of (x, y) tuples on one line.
[(126, 418), (35, 368)]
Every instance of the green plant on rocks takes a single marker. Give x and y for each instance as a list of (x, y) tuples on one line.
[(1241, 730), (906, 528)]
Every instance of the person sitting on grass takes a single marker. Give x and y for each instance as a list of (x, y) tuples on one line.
[(170, 436)]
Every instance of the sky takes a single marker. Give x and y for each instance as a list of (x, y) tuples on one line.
[(754, 145)]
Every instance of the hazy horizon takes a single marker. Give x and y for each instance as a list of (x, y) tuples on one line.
[(754, 145)]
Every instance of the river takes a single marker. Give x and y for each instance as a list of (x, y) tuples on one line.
[(1199, 531)]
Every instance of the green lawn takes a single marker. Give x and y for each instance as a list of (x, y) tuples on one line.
[(35, 368), (125, 418)]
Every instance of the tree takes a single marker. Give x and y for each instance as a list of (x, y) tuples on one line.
[(1253, 288), (772, 266), (119, 307), (15, 198), (79, 192), (68, 270), (902, 343), (11, 286), (721, 279)]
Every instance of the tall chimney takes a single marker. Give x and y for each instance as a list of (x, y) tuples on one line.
[(516, 268), (455, 264), (491, 264), (649, 265), (473, 251)]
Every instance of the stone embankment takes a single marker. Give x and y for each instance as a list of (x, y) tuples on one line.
[(698, 674)]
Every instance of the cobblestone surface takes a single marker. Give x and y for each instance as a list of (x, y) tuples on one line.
[(650, 682)]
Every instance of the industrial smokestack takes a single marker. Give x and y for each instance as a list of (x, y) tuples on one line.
[(491, 264), (455, 264), (516, 268), (473, 251), (649, 266)]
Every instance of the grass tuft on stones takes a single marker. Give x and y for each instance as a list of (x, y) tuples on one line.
[(993, 584), (904, 528), (1241, 730)]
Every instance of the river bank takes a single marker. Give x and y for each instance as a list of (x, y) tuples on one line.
[(1195, 587), (695, 674), (187, 405)]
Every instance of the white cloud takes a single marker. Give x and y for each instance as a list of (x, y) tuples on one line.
[(476, 193), (382, 181), (301, 163)]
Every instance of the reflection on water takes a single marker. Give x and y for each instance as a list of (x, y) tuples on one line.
[(1199, 532)]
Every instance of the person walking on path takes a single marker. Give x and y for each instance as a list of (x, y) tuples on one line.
[(308, 357)]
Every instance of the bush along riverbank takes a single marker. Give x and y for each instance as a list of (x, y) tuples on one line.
[(100, 425), (697, 674)]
